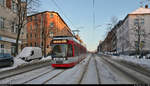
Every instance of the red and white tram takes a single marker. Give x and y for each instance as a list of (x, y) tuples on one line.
[(67, 52)]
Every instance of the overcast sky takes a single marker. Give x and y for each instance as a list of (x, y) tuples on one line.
[(78, 14)]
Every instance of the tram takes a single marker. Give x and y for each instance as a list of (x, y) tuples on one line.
[(67, 51)]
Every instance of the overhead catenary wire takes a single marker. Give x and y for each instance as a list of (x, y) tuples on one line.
[(55, 3), (93, 14)]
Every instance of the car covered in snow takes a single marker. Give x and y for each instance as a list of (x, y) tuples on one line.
[(6, 60), (31, 53), (147, 56)]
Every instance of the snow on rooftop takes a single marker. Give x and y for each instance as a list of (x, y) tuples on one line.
[(141, 10)]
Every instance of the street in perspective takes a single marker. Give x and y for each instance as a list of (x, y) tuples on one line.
[(74, 42)]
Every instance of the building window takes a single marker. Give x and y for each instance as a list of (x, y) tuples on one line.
[(139, 21), (2, 2), (35, 44), (51, 15), (35, 36), (51, 24), (30, 35), (136, 21), (27, 36), (35, 18), (13, 47), (13, 6), (14, 28), (2, 22), (31, 18), (30, 44), (1, 48), (31, 27), (142, 21)]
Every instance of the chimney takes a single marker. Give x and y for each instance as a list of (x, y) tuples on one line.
[(146, 6)]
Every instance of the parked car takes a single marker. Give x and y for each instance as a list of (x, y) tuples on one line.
[(6, 60), (31, 53), (147, 56)]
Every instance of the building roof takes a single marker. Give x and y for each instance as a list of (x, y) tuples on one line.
[(141, 10), (52, 12)]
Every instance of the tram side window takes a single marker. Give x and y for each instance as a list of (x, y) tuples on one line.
[(70, 54), (76, 50)]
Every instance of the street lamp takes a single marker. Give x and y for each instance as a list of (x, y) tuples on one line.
[(77, 30)]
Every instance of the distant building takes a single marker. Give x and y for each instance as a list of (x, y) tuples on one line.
[(8, 30), (43, 26)]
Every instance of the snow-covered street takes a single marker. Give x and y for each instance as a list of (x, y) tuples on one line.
[(92, 70)]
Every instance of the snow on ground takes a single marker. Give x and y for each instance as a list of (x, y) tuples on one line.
[(91, 73), (109, 75), (72, 75), (47, 58), (143, 62), (19, 79), (18, 62)]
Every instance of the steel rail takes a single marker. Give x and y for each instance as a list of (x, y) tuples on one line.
[(98, 75), (54, 76), (85, 70), (37, 76)]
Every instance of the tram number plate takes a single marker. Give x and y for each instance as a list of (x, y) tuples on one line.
[(59, 62)]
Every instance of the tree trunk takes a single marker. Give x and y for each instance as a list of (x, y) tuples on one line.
[(17, 42)]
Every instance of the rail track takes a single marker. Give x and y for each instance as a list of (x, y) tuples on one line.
[(37, 76), (133, 72), (23, 69), (97, 70), (45, 82), (86, 70)]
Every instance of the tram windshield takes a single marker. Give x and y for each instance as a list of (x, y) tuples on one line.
[(59, 50)]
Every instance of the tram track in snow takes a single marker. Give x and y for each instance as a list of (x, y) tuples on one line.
[(86, 70), (45, 82), (128, 70), (97, 70), (37, 76)]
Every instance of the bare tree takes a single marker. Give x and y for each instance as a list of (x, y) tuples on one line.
[(113, 22), (24, 7)]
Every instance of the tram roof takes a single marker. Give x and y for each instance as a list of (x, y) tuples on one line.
[(69, 38)]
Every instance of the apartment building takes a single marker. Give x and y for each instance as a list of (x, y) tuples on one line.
[(135, 26), (43, 26), (8, 30), (130, 34)]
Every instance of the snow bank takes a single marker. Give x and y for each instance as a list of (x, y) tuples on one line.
[(143, 62), (18, 62), (47, 58)]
